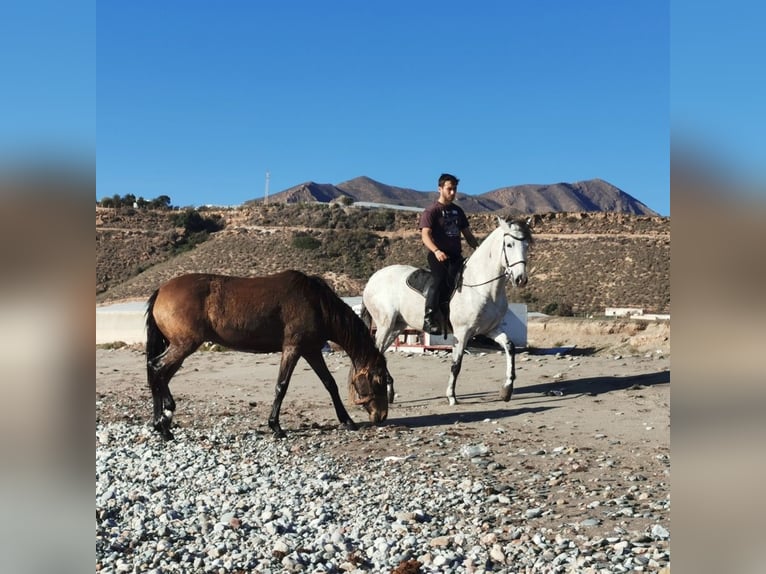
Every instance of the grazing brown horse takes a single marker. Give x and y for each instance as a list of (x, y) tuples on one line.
[(288, 312)]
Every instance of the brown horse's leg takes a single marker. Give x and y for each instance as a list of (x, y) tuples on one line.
[(316, 361), (159, 371), (163, 400), (290, 358)]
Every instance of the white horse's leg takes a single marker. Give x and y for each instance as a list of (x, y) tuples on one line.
[(385, 335), (457, 363), (501, 338), (385, 340)]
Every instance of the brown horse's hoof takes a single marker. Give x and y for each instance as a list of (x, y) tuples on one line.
[(276, 428), (351, 425), (164, 429)]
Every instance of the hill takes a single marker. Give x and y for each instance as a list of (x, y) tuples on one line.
[(584, 196), (579, 261)]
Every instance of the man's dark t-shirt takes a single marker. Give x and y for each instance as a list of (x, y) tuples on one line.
[(446, 223)]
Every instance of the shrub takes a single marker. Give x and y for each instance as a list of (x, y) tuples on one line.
[(305, 241), (193, 222), (112, 345), (558, 308)]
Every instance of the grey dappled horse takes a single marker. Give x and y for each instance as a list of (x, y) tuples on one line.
[(477, 307)]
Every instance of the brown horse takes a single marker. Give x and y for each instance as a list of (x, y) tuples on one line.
[(288, 312)]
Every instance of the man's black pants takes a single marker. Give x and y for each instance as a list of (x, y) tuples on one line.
[(444, 275)]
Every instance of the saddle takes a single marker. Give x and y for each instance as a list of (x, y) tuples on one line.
[(420, 281)]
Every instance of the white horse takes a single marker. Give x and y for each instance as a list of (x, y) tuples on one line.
[(477, 307)]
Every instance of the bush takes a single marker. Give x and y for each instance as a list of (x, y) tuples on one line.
[(382, 219), (193, 222), (557, 308), (305, 241)]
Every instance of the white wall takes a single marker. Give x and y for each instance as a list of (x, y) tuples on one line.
[(623, 311), (515, 323), (121, 322), (127, 322)]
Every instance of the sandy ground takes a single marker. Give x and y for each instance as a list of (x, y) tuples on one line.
[(583, 421)]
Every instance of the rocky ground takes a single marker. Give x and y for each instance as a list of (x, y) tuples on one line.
[(571, 475)]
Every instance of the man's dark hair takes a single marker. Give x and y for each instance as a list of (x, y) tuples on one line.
[(448, 177)]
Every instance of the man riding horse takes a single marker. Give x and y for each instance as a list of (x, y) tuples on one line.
[(441, 225)]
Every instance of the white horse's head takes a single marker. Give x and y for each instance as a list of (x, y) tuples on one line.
[(516, 237)]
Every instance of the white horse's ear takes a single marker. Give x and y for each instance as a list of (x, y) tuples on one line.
[(529, 222), (501, 221)]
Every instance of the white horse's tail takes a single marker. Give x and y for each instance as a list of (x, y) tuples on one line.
[(365, 316)]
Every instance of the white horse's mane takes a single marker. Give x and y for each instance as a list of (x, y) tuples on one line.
[(502, 228)]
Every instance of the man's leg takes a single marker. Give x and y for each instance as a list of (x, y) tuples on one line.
[(449, 284), (438, 272)]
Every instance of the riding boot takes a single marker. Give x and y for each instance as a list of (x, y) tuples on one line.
[(428, 322), (432, 302)]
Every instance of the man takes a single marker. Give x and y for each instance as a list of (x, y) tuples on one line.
[(440, 227)]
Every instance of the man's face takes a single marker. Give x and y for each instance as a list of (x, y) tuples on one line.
[(447, 192)]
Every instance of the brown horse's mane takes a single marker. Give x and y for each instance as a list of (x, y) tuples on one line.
[(346, 327)]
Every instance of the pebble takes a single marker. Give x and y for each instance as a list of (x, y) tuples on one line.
[(215, 502)]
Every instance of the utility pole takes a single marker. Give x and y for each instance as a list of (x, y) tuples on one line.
[(266, 192)]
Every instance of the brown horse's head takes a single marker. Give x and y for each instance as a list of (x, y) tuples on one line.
[(367, 387)]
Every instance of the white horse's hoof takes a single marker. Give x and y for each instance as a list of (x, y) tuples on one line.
[(452, 401), (506, 392)]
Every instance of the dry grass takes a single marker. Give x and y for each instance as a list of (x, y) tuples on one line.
[(583, 261)]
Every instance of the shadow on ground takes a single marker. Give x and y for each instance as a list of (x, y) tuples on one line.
[(570, 350), (597, 385), (444, 419)]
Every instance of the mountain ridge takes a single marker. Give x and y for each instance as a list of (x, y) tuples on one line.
[(587, 196)]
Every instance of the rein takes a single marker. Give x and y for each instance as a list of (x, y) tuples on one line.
[(508, 265)]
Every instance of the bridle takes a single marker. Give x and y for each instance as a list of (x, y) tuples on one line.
[(508, 264), (360, 400)]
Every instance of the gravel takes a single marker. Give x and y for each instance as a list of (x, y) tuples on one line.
[(215, 501)]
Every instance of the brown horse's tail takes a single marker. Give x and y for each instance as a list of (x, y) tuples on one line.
[(156, 343)]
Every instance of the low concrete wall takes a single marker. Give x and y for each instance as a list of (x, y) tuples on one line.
[(623, 311), (515, 323), (124, 322)]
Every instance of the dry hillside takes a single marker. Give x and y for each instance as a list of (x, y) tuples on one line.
[(582, 261)]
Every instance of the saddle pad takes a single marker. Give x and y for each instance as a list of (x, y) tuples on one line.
[(419, 280)]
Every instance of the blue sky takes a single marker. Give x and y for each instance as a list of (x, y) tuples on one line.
[(198, 99), (717, 86), (48, 79)]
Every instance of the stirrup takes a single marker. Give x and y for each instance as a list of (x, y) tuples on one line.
[(431, 328)]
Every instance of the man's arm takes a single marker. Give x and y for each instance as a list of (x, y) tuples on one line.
[(470, 237), (428, 241)]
